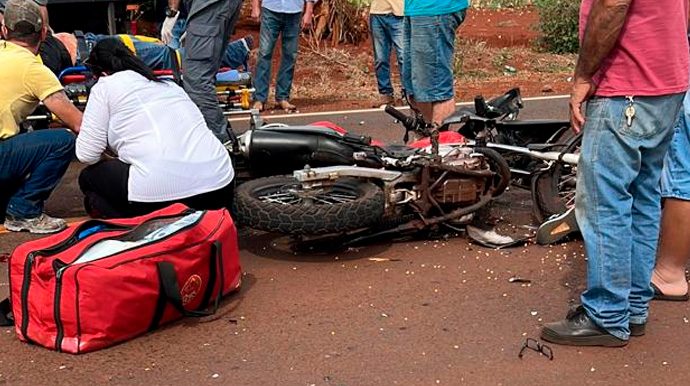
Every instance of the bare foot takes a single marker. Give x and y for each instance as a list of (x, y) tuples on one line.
[(287, 106), (669, 284)]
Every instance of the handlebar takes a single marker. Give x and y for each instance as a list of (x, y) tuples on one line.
[(410, 123), (397, 114)]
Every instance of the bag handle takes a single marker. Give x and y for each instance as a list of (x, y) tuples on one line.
[(169, 291), (6, 316)]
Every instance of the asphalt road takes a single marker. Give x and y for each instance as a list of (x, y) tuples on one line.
[(431, 312)]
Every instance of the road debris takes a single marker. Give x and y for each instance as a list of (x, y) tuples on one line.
[(517, 279), (534, 345), (491, 239), (381, 259)]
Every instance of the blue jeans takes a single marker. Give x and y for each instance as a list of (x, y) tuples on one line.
[(618, 205), (675, 180), (429, 56), (386, 32), (177, 32), (287, 26), (158, 56), (31, 165)]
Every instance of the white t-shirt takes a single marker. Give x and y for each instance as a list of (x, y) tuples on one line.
[(159, 131)]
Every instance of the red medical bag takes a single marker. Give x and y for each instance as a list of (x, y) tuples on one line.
[(65, 302)]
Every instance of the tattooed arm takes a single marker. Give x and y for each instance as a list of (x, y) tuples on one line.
[(604, 26), (62, 107)]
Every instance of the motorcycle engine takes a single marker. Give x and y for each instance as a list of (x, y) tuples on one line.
[(461, 190)]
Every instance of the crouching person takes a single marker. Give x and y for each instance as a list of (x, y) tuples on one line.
[(31, 164), (146, 141)]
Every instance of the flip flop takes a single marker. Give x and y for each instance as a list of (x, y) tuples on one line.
[(658, 295), (557, 227)]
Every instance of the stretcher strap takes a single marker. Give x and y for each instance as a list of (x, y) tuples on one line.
[(82, 49), (127, 40)]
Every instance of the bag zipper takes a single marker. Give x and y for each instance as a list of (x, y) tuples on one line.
[(55, 249), (61, 270), (31, 258)]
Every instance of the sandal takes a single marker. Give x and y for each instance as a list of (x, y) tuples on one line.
[(658, 295)]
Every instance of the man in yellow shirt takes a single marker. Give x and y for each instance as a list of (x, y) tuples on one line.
[(387, 25), (31, 164)]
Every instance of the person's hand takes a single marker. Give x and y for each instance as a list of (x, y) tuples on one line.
[(583, 89), (256, 14), (306, 20), (166, 31)]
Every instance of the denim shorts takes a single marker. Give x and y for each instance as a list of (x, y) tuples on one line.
[(675, 178), (429, 47)]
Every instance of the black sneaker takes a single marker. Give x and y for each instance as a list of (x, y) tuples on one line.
[(637, 329), (557, 227), (579, 330)]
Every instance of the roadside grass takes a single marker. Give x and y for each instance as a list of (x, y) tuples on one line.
[(476, 61), (335, 74)]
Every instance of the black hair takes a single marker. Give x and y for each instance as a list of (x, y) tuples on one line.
[(111, 55), (24, 32)]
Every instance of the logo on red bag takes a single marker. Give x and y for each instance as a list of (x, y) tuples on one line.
[(191, 289)]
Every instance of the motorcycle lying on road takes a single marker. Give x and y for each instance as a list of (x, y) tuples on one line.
[(380, 190), (530, 148)]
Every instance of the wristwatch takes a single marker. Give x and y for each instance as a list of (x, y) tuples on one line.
[(169, 12)]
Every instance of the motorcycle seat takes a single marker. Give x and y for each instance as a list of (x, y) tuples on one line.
[(532, 125), (318, 130)]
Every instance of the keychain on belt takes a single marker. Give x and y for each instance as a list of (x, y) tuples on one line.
[(630, 111)]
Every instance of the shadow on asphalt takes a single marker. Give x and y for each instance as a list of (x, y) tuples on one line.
[(281, 247)]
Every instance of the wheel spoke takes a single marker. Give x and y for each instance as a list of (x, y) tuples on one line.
[(296, 195)]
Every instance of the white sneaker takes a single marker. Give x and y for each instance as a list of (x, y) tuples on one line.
[(42, 224)]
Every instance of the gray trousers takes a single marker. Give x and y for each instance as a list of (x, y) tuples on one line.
[(209, 26)]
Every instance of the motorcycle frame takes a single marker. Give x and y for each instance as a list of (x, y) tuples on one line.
[(423, 201), (557, 156)]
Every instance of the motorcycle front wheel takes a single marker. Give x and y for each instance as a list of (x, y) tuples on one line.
[(283, 204), (553, 191), (498, 165)]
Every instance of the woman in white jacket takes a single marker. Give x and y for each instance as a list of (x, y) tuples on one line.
[(163, 151)]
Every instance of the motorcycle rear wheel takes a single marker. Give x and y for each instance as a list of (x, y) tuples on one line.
[(283, 204)]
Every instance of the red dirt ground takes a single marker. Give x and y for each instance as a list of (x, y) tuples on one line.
[(489, 35)]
